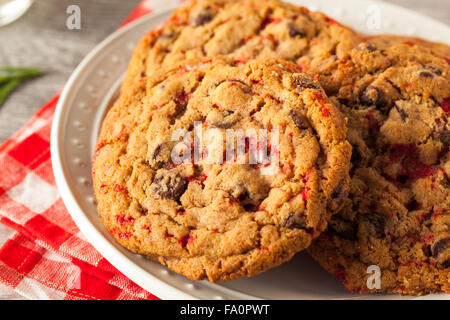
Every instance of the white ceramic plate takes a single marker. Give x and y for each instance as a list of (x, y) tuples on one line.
[(89, 93)]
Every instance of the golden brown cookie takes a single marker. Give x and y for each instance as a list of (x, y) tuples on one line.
[(396, 96), (242, 29), (387, 40), (212, 220)]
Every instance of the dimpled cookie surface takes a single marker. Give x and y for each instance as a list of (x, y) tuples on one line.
[(211, 220), (242, 29), (383, 41), (397, 217)]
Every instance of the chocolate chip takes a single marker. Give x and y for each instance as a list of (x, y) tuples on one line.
[(244, 196), (241, 193), (377, 223), (160, 156), (299, 121), (304, 82), (203, 17), (426, 74), (413, 205), (169, 185), (366, 46), (294, 30), (440, 247), (143, 211), (291, 222), (445, 182), (426, 249), (157, 152), (344, 229), (435, 70), (371, 48), (373, 96), (402, 113)]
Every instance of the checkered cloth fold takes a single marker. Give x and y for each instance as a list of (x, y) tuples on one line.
[(47, 257)]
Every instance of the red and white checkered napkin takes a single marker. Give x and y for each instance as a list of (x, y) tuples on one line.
[(48, 257)]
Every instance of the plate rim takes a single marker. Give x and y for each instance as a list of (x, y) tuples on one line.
[(118, 259)]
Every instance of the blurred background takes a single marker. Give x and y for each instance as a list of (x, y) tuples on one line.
[(41, 39)]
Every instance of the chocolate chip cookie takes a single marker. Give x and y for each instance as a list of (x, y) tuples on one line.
[(397, 217), (194, 208), (242, 29)]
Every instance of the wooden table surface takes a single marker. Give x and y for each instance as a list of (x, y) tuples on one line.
[(41, 39)]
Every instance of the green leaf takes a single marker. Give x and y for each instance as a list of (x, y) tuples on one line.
[(9, 73), (6, 88), (11, 77)]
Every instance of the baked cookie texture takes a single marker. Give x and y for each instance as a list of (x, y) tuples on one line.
[(242, 29), (386, 40), (220, 221), (396, 96)]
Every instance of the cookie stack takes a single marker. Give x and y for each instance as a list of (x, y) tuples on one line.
[(314, 90)]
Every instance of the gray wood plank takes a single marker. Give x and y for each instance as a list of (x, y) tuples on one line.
[(41, 39)]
